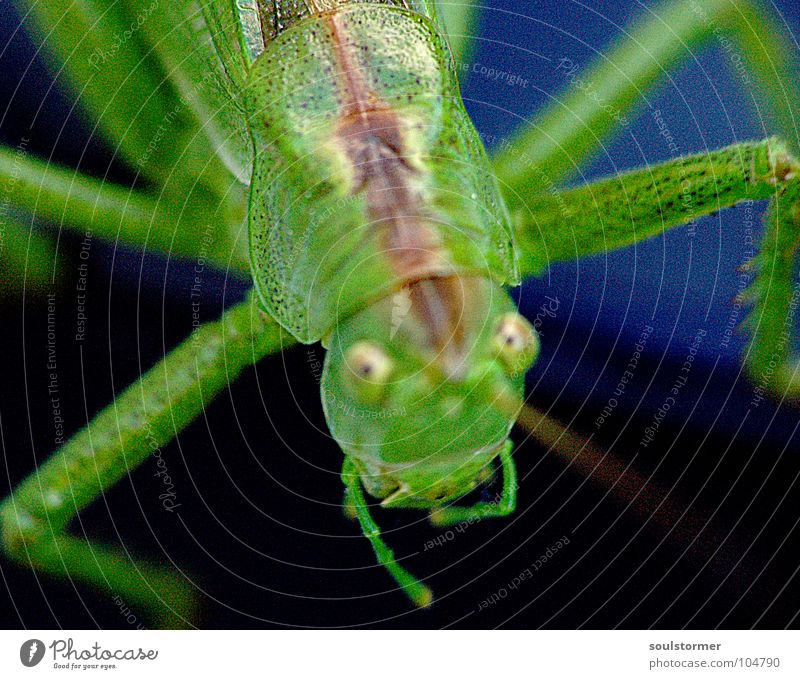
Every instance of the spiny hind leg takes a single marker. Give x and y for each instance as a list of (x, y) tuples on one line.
[(623, 210), (506, 502), (416, 591), (559, 140), (35, 518)]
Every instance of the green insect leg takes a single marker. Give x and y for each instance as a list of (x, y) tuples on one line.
[(71, 200), (35, 519), (557, 141), (460, 20), (99, 49), (506, 503), (775, 294), (27, 258), (631, 207), (416, 591)]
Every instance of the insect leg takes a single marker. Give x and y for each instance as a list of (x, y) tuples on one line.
[(60, 194), (148, 414), (28, 259), (505, 505), (561, 138), (416, 591), (79, 202), (102, 50), (460, 20), (631, 207), (349, 505)]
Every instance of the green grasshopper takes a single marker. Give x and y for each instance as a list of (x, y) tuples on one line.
[(377, 224)]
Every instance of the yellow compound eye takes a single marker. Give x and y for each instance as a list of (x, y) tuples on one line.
[(367, 371), (516, 343)]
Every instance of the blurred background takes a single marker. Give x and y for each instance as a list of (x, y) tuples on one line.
[(260, 528)]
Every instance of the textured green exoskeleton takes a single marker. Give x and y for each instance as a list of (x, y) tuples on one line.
[(318, 243), (376, 223)]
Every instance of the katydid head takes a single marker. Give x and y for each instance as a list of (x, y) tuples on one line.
[(416, 386)]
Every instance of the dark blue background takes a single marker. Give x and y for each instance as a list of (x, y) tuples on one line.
[(621, 568)]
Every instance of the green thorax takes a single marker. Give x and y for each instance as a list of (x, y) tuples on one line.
[(368, 173)]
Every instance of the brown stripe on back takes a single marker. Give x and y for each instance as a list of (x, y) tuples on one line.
[(371, 135)]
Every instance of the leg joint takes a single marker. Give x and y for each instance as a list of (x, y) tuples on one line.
[(19, 530)]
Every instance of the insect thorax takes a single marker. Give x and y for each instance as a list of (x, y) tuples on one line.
[(368, 172)]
